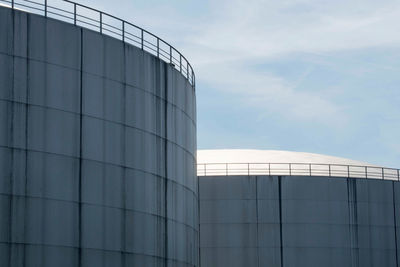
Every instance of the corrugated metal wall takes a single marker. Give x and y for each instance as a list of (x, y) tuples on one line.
[(97, 151), (299, 221)]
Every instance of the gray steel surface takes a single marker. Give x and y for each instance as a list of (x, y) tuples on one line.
[(97, 150), (97, 20), (296, 221)]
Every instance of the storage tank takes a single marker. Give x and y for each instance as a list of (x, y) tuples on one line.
[(97, 142), (292, 209)]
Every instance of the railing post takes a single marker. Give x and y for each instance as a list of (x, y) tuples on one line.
[(45, 8), (226, 167), (123, 31), (74, 13), (290, 169), (205, 169), (366, 172), (383, 174), (101, 22), (158, 47), (12, 3), (398, 175), (269, 169), (348, 171), (170, 54), (309, 168), (142, 39), (329, 170), (180, 63), (248, 169), (187, 70)]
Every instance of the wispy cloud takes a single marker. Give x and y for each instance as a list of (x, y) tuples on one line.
[(269, 28), (243, 33), (270, 94)]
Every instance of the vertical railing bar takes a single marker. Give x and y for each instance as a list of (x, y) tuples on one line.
[(12, 4), (187, 69), (226, 169), (142, 40), (290, 169), (398, 175), (123, 30), (45, 8), (248, 169), (205, 169), (309, 168), (383, 174), (348, 171), (101, 22), (158, 47), (180, 62), (329, 170), (366, 172), (74, 13), (269, 169), (170, 54)]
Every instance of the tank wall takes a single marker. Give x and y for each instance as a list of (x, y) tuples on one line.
[(97, 150), (298, 221)]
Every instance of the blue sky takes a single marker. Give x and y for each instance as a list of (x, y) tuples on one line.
[(301, 75)]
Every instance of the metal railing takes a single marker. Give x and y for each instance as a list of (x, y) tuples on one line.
[(297, 169), (104, 23)]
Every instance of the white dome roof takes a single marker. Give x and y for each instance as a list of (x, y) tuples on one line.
[(275, 162), (269, 156)]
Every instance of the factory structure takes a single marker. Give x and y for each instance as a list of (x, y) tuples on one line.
[(99, 163)]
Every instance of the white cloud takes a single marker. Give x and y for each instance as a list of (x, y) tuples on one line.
[(269, 94), (242, 33)]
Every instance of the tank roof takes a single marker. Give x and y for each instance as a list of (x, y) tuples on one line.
[(270, 156)]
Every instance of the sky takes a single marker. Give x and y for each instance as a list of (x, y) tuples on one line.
[(314, 76)]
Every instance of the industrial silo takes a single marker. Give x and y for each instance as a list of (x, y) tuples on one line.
[(291, 209), (97, 141)]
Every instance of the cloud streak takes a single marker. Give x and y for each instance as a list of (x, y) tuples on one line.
[(244, 33)]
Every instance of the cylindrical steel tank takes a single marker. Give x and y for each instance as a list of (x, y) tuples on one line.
[(297, 220), (97, 150)]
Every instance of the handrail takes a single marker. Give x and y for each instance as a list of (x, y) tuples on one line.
[(156, 46), (298, 169)]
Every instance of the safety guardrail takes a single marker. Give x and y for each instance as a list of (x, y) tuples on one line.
[(297, 169), (104, 23)]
